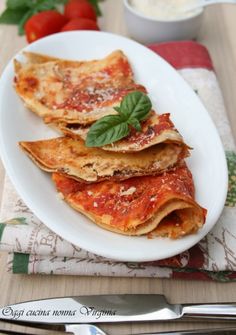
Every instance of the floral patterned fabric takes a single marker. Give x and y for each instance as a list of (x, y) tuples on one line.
[(33, 248)]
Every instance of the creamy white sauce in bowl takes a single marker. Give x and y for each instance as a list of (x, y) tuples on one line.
[(164, 10)]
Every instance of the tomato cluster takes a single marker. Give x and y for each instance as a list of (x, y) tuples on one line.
[(78, 15)]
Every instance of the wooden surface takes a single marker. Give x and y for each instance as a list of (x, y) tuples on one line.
[(218, 34)]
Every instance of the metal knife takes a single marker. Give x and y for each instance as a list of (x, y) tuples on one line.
[(111, 308)]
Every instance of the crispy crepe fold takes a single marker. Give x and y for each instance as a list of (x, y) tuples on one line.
[(161, 205), (156, 129), (74, 91), (73, 158), (135, 186)]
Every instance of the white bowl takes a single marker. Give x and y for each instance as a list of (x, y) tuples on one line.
[(148, 30)]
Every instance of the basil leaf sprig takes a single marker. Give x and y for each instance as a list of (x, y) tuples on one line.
[(134, 107)]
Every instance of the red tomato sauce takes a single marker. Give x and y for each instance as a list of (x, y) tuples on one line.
[(129, 200)]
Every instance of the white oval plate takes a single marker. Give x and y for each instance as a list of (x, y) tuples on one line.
[(169, 93)]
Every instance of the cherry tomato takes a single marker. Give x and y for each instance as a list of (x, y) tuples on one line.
[(80, 24), (79, 8), (43, 24)]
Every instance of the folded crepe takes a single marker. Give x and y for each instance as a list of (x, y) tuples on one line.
[(161, 205), (73, 158), (156, 129), (74, 91)]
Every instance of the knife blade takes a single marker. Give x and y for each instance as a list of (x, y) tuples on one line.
[(111, 308), (94, 330)]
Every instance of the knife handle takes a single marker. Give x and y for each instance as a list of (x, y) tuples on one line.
[(210, 311)]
